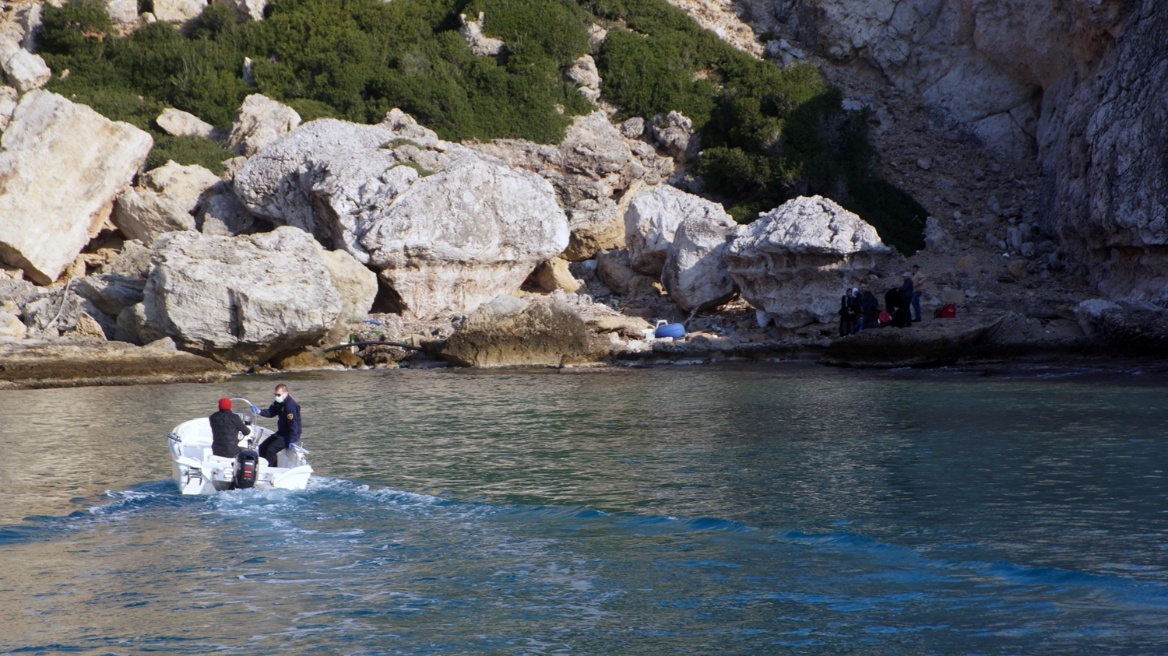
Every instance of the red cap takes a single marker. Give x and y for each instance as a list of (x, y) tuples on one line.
[(224, 404)]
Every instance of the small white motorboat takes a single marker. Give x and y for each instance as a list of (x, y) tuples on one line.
[(197, 471)]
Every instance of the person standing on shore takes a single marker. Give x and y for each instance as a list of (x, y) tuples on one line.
[(903, 316), (849, 310), (869, 310), (918, 280), (287, 413)]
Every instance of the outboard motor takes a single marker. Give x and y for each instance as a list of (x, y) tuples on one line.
[(246, 469)]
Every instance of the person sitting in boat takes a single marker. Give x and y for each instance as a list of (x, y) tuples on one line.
[(287, 413), (225, 429)]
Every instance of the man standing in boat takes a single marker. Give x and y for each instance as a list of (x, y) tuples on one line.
[(287, 413)]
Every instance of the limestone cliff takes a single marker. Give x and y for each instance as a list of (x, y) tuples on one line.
[(1075, 87)]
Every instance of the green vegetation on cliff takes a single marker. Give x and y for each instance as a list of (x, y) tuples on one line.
[(769, 134)]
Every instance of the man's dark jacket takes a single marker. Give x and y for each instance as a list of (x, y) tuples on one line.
[(225, 429), (288, 415)]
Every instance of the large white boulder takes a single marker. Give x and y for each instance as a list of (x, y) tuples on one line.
[(794, 261), (165, 200), (61, 165), (695, 272), (240, 300), (595, 170), (463, 236), (258, 122), (447, 228), (653, 217), (331, 177)]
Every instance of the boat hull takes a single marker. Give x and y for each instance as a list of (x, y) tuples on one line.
[(197, 472)]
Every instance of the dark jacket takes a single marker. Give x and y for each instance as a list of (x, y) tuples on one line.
[(849, 305), (225, 429), (288, 418), (906, 291), (869, 307)]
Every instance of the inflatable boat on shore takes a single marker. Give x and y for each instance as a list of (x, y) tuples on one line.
[(197, 471)]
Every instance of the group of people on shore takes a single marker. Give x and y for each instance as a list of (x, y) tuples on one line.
[(860, 309)]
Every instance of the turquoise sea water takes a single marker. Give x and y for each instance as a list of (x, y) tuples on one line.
[(761, 509)]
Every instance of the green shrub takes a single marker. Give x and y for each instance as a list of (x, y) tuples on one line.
[(188, 150), (74, 27), (350, 59), (769, 134)]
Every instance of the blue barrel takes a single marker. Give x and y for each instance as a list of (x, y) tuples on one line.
[(674, 330)]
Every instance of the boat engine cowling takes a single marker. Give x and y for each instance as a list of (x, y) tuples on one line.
[(246, 469)]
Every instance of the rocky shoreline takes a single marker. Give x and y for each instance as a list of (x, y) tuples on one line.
[(999, 344), (516, 254)]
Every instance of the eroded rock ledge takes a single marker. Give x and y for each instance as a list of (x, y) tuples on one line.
[(46, 364)]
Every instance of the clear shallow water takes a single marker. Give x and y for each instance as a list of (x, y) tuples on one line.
[(763, 509)]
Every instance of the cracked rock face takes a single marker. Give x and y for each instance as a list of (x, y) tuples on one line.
[(1105, 151), (445, 227), (983, 65), (239, 300), (61, 165), (595, 171)]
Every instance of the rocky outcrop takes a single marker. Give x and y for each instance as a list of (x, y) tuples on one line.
[(936, 344), (696, 274), (221, 213), (8, 99), (238, 300), (613, 269), (984, 65), (554, 274), (586, 76), (654, 215), (22, 69), (247, 9), (178, 123), (61, 165), (460, 237), (123, 14), (595, 170), (165, 200), (1105, 152), (480, 44), (674, 134), (258, 122), (445, 227), (333, 179), (178, 12), (1124, 328), (77, 363), (508, 332), (356, 285), (793, 262)]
